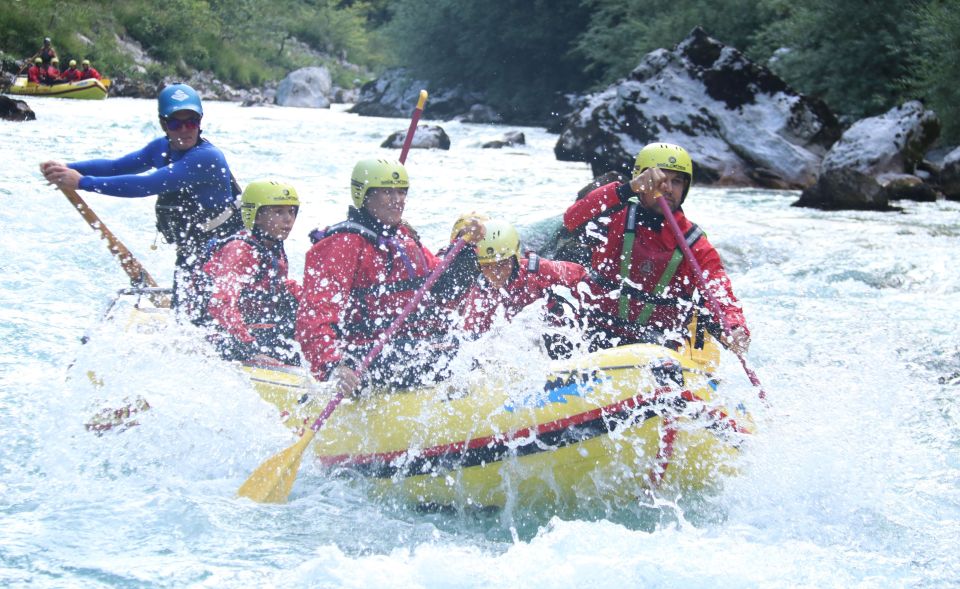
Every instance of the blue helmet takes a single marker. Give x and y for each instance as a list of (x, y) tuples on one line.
[(178, 97)]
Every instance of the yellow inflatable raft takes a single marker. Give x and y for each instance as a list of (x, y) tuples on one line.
[(605, 426), (84, 89)]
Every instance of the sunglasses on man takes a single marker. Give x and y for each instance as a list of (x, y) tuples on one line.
[(177, 124)]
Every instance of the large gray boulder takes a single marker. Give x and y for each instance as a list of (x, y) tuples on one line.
[(885, 149), (741, 123), (308, 87)]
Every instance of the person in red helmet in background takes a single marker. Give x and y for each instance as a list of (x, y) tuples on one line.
[(508, 282), (358, 276), (244, 287), (642, 288)]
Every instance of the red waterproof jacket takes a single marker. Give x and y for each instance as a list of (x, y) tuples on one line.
[(89, 72), (355, 284), (533, 278), (35, 74), (52, 74), (71, 74), (242, 284), (653, 248)]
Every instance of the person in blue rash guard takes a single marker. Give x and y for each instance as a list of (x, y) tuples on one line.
[(196, 191)]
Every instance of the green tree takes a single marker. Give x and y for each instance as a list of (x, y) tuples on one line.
[(621, 32), (517, 51), (937, 63), (855, 54)]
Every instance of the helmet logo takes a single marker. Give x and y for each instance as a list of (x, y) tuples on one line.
[(672, 160), (396, 175), (179, 95)]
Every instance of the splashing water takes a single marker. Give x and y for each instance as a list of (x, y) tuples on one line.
[(854, 478)]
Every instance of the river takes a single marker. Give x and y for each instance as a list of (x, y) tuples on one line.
[(852, 480)]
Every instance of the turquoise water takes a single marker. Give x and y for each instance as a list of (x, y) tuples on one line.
[(853, 480)]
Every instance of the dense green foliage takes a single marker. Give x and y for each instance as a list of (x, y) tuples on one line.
[(516, 51), (243, 42), (937, 63), (861, 56)]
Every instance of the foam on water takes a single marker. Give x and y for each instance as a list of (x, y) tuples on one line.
[(853, 479)]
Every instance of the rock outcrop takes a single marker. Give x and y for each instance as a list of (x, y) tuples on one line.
[(743, 125), (15, 110), (308, 87), (875, 161), (395, 94), (950, 175)]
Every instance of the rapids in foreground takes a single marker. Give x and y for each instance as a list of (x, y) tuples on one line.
[(852, 479)]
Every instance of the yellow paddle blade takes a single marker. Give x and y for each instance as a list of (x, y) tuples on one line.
[(272, 481)]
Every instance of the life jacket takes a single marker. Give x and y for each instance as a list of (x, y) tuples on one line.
[(273, 308), (365, 325), (182, 220)]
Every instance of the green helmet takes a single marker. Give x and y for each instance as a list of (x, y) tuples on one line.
[(501, 242), (463, 220), (665, 156), (265, 193), (369, 174)]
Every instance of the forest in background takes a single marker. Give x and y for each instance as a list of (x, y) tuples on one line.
[(860, 56)]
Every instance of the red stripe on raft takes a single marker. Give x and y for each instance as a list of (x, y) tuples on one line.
[(543, 428)]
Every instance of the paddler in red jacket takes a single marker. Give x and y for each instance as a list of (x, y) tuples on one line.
[(244, 285), (508, 282), (71, 74), (358, 276), (642, 288), (87, 71), (36, 72)]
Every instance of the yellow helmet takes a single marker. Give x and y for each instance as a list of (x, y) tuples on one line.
[(265, 193), (463, 220), (55, 60), (85, 62), (501, 242), (38, 60), (665, 156), (369, 174), (73, 63)]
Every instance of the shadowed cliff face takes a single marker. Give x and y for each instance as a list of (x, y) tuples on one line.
[(743, 125)]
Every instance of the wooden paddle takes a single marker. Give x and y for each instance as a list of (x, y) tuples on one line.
[(712, 303), (139, 277), (272, 481)]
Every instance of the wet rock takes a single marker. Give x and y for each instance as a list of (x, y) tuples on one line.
[(483, 114), (395, 94), (15, 110), (510, 139), (885, 148), (426, 137), (950, 175), (741, 123), (845, 188), (308, 87)]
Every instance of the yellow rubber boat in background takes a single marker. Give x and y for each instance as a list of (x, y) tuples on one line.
[(84, 89)]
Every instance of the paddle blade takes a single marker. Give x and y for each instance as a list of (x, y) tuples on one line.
[(272, 481)]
